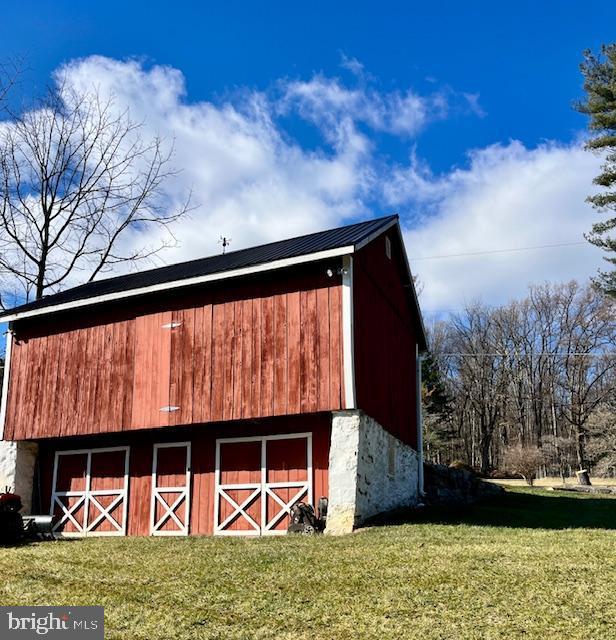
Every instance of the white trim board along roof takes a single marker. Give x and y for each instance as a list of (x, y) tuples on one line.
[(276, 255)]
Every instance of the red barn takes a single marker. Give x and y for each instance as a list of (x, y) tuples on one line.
[(208, 397)]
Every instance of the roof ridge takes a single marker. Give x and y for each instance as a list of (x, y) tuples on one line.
[(237, 251), (294, 250)]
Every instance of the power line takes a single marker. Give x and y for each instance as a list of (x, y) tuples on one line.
[(523, 355), (490, 251)]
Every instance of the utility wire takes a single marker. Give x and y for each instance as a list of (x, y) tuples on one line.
[(523, 355), (481, 253)]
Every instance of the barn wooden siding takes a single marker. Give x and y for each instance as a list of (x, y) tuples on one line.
[(203, 442), (242, 350), (385, 339)]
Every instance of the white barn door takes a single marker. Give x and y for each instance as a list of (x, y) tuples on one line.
[(257, 481), (170, 502), (90, 492)]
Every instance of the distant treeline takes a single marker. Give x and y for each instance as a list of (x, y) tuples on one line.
[(537, 375)]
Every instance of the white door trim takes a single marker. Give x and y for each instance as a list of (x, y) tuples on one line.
[(87, 497), (261, 489), (156, 497), (348, 340)]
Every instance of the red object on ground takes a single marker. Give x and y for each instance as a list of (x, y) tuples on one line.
[(10, 502)]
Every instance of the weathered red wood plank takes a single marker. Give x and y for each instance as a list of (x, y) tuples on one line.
[(256, 357), (281, 357), (267, 357), (80, 416), (127, 373), (304, 348), (335, 332), (152, 371), (198, 364), (236, 408), (31, 384), (163, 365), (218, 363), (230, 353), (108, 393), (182, 366), (66, 385), (247, 353), (140, 380), (323, 350), (309, 351), (94, 424), (294, 352), (81, 345), (32, 388), (202, 396)]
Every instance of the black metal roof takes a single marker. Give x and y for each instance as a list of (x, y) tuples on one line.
[(349, 235)]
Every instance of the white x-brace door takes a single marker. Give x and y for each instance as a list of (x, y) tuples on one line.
[(88, 499), (263, 490), (170, 505)]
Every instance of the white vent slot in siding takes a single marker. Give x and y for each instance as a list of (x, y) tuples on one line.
[(388, 247)]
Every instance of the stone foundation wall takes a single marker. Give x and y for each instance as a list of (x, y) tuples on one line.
[(370, 472), (17, 462)]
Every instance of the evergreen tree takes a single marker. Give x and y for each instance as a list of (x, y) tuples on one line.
[(599, 73), (436, 401)]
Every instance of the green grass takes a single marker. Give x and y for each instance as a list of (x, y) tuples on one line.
[(532, 564)]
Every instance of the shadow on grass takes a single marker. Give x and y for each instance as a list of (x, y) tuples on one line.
[(521, 508)]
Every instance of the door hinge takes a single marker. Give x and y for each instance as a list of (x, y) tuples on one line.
[(172, 325), (169, 409)]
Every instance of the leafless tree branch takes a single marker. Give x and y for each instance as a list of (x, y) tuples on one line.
[(77, 177)]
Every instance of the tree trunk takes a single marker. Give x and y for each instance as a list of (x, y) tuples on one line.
[(486, 441), (580, 448), (42, 267), (583, 477)]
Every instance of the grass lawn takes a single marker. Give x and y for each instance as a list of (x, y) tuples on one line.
[(533, 564)]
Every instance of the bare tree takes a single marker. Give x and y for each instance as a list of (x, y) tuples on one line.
[(76, 178), (587, 345), (475, 347), (523, 460), (539, 372), (10, 71)]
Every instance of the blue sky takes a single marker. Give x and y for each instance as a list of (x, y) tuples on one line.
[(457, 114), (521, 58)]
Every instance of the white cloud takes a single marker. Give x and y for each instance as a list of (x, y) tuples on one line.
[(508, 197), (329, 103), (254, 183), (353, 65), (250, 181)]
